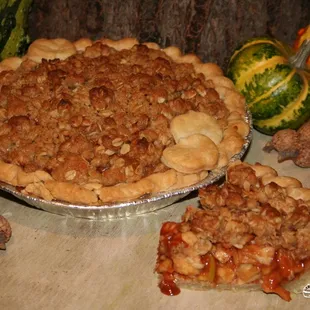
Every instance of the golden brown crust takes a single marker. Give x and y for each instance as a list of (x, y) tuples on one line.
[(184, 180), (39, 190), (295, 286), (11, 63), (223, 155), (125, 192), (232, 143), (151, 45), (163, 180), (268, 175), (71, 192), (299, 193), (234, 101), (239, 125), (14, 175), (193, 154), (221, 81), (125, 43), (176, 55), (152, 184), (192, 122), (282, 181), (226, 137), (209, 70), (81, 44), (50, 49), (263, 170)]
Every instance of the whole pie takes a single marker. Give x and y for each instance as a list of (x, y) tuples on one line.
[(250, 233), (110, 121)]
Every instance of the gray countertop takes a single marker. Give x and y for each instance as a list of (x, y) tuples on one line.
[(59, 262)]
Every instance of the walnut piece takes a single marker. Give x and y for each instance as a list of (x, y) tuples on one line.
[(5, 232), (292, 144)]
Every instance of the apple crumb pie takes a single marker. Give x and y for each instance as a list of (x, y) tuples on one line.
[(110, 121)]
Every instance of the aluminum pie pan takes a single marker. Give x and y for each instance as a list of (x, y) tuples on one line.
[(131, 208)]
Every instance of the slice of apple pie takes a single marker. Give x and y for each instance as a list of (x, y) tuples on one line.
[(253, 232)]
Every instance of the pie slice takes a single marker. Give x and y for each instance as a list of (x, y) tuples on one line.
[(253, 232), (95, 122)]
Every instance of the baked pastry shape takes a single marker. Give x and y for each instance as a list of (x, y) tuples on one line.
[(110, 121), (251, 233)]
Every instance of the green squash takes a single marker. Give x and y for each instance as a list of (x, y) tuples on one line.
[(14, 40), (276, 91)]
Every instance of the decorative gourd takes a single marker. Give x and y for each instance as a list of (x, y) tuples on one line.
[(13, 27), (277, 92), (303, 34)]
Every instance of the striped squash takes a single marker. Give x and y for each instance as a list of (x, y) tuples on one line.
[(277, 93), (13, 27)]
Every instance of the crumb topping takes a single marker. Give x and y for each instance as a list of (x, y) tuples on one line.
[(101, 116)]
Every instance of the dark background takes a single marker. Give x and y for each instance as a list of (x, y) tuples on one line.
[(210, 28)]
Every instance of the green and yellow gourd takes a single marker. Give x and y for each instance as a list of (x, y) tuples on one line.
[(13, 27), (276, 91)]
